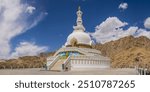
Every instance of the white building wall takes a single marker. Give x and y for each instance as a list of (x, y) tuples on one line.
[(85, 63)]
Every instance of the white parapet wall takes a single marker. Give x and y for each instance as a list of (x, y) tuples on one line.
[(89, 62)]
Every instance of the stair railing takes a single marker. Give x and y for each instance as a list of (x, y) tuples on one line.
[(53, 62), (65, 65)]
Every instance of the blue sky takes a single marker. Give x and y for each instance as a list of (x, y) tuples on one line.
[(53, 30), (57, 17)]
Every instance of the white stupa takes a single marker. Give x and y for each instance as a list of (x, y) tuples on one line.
[(77, 53), (79, 37)]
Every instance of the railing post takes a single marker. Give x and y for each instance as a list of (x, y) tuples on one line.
[(63, 67), (140, 71), (145, 71)]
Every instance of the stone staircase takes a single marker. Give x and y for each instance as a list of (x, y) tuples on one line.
[(58, 65)]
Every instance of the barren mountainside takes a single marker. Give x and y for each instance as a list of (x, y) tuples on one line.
[(127, 51), (26, 62)]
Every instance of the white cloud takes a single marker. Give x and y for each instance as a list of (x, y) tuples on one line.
[(13, 22), (28, 49), (9, 26), (147, 23), (143, 32), (30, 9), (38, 19), (123, 6), (112, 29)]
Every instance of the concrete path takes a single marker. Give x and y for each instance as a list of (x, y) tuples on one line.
[(37, 71)]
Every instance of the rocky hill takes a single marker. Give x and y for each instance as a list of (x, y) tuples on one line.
[(25, 62), (127, 52)]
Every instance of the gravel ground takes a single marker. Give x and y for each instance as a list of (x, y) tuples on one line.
[(38, 71)]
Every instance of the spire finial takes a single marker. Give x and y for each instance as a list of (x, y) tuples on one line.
[(79, 8), (79, 26)]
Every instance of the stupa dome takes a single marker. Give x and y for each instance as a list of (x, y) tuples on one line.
[(79, 38)]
